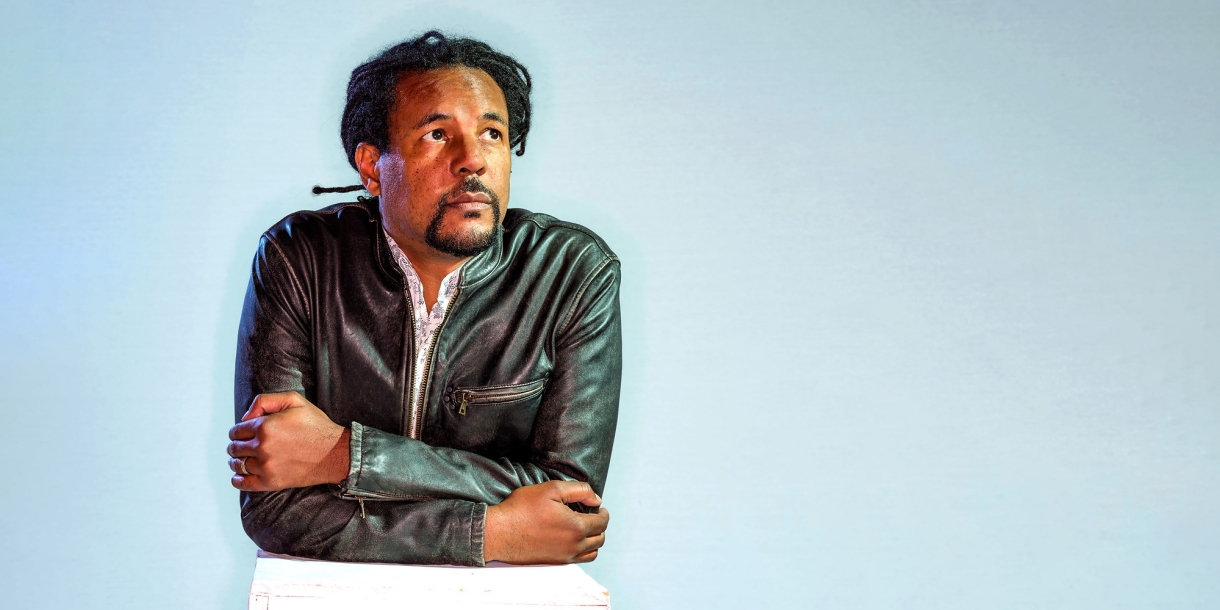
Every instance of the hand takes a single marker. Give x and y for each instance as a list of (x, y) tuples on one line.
[(534, 525), (287, 442)]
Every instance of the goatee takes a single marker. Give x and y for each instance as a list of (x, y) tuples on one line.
[(467, 243)]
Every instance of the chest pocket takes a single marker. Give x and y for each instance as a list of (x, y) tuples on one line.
[(495, 421), (475, 398)]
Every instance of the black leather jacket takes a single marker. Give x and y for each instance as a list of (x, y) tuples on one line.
[(522, 385)]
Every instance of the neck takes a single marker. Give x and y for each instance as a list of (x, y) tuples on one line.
[(431, 264)]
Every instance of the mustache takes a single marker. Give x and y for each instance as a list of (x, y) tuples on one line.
[(471, 184)]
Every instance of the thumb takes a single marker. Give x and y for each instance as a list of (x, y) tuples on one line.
[(266, 404), (576, 491)]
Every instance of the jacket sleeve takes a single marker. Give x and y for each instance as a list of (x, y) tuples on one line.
[(274, 354), (573, 432)]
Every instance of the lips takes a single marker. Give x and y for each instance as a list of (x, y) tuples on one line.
[(461, 198)]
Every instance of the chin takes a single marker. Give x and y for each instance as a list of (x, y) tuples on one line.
[(469, 234), (463, 234), (472, 224)]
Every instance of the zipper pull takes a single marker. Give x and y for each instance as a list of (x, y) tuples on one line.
[(462, 406), (361, 501)]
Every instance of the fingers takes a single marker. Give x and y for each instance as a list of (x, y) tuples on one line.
[(243, 448), (248, 479), (243, 431), (265, 404), (249, 483), (576, 491), (235, 466), (587, 550), (595, 524), (592, 543)]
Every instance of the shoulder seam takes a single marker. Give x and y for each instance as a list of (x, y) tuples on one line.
[(574, 227), (580, 293), (292, 274)]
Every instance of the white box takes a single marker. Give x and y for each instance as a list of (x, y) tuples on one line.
[(282, 582)]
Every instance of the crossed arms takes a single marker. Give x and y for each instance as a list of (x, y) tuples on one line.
[(318, 489)]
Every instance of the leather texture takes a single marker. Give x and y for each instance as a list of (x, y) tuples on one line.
[(522, 386)]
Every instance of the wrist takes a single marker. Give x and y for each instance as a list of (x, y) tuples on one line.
[(491, 534), (339, 461)]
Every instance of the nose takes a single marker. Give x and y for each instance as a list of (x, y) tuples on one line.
[(468, 157)]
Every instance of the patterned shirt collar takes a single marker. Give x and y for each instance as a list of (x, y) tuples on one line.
[(416, 288)]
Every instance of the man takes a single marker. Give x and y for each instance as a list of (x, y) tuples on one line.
[(425, 376)]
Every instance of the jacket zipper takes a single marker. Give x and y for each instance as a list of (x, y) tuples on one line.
[(411, 364), (360, 497), (417, 417)]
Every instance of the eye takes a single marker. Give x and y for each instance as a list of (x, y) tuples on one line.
[(436, 135), (493, 134)]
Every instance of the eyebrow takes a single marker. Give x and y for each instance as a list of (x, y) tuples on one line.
[(435, 116), (438, 116), (491, 116)]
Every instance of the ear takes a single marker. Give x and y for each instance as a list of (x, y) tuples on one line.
[(366, 163)]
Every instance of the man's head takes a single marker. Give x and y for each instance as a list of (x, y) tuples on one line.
[(430, 125)]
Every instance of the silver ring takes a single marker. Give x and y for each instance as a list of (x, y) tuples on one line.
[(242, 462)]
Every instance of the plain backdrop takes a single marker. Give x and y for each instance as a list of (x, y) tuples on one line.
[(920, 297)]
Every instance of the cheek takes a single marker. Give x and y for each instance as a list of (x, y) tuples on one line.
[(390, 176), (424, 177), (500, 181)]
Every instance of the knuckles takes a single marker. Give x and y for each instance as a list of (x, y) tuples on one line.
[(572, 527), (265, 428)]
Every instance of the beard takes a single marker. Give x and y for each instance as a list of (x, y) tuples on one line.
[(467, 242)]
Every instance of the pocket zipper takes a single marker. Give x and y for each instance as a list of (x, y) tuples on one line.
[(497, 395)]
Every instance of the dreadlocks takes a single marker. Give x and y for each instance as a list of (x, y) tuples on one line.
[(372, 90)]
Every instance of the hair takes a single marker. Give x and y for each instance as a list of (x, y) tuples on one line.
[(373, 87)]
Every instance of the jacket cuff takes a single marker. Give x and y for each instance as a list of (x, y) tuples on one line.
[(478, 523), (355, 453), (381, 466), (478, 510)]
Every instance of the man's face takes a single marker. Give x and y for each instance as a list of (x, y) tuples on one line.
[(443, 179)]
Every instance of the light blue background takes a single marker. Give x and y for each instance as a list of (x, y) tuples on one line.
[(920, 297)]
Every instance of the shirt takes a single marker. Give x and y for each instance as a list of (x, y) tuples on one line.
[(426, 321)]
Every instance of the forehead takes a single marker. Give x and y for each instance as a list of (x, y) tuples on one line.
[(446, 91)]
